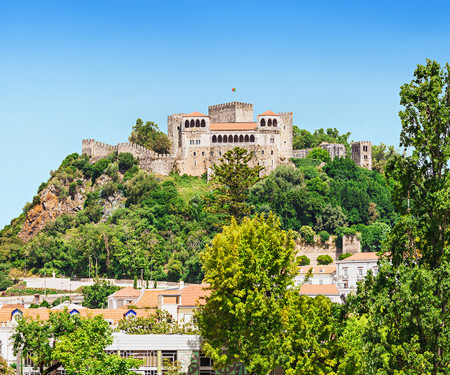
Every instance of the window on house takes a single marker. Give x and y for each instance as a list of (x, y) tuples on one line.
[(212, 153), (271, 152), (345, 271), (320, 282), (203, 153), (263, 152), (195, 153), (360, 271), (374, 270)]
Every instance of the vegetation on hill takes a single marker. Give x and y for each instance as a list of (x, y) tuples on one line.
[(149, 136), (117, 219)]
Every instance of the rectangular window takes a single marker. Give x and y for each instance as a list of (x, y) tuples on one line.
[(271, 152), (212, 153), (203, 153), (195, 153), (374, 270), (345, 272), (263, 152), (360, 271)]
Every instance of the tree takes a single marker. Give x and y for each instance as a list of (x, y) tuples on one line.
[(424, 174), (4, 368), (307, 234), (302, 139), (149, 136), (233, 179), (324, 260), (381, 156), (249, 269), (320, 154), (253, 315), (96, 296), (67, 340), (303, 260), (407, 303)]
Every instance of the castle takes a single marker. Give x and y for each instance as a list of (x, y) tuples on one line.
[(199, 141)]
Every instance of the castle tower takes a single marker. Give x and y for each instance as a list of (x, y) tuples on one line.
[(231, 112), (174, 124), (286, 134), (362, 154)]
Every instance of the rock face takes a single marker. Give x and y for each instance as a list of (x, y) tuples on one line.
[(50, 207)]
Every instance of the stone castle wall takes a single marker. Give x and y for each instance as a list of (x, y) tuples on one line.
[(148, 159), (350, 244)]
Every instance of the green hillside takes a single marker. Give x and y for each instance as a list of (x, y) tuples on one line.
[(113, 219)]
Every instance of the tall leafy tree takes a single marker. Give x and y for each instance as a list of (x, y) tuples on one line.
[(253, 314), (234, 177), (408, 303)]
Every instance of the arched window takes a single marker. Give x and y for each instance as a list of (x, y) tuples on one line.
[(203, 123), (263, 122), (236, 139), (197, 123), (269, 122), (225, 139), (274, 122), (186, 124), (241, 138), (214, 139), (219, 139), (246, 138), (192, 124), (252, 138), (230, 138)]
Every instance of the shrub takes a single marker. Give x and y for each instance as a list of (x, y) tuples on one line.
[(307, 234), (324, 236), (303, 260), (42, 187), (126, 161), (344, 256), (72, 189), (36, 200), (324, 260)]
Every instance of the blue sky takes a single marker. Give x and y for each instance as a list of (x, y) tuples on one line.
[(71, 70)]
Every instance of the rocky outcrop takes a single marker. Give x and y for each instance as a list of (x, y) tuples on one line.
[(50, 207)]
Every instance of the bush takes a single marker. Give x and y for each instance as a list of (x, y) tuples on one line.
[(344, 256), (126, 161), (72, 189), (324, 236), (303, 163), (303, 260), (307, 234), (324, 260)]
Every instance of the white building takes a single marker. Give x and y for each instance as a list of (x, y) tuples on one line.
[(354, 269), (317, 275)]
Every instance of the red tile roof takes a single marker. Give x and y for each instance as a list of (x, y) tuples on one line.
[(269, 113), (316, 290), (233, 126), (361, 257), (194, 295), (127, 292), (196, 114)]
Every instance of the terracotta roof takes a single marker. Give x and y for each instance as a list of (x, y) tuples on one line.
[(194, 295), (269, 113), (233, 126), (12, 306), (150, 297), (44, 313), (317, 269), (127, 292), (323, 290), (196, 114), (361, 256)]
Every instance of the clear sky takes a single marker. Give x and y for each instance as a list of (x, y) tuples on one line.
[(71, 70)]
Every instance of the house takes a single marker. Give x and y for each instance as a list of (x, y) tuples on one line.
[(354, 269), (318, 275)]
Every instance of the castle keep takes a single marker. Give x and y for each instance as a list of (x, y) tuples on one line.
[(200, 140)]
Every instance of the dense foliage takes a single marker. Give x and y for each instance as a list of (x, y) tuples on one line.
[(149, 136), (253, 314), (96, 295), (78, 344)]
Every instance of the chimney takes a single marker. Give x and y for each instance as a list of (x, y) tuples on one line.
[(181, 285)]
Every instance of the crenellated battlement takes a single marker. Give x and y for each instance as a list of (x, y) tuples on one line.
[(230, 105)]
